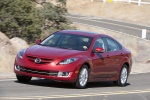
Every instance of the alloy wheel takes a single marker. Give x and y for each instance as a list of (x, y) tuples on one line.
[(83, 77), (124, 75)]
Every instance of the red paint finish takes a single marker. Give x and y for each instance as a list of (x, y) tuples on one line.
[(104, 64)]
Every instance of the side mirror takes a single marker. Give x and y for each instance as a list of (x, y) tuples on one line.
[(98, 50), (38, 41)]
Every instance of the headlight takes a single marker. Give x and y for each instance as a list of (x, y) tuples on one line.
[(20, 53), (68, 61)]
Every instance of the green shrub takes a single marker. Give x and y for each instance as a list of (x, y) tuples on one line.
[(20, 18)]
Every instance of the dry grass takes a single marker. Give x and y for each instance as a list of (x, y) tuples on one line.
[(115, 10)]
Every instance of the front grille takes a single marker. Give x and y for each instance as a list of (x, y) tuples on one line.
[(43, 60), (40, 72)]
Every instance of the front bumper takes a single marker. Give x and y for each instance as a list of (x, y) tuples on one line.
[(53, 75), (51, 71)]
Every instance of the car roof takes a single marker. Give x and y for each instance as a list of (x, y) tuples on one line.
[(81, 32)]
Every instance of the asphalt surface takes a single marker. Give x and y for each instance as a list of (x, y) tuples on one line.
[(118, 26), (138, 88)]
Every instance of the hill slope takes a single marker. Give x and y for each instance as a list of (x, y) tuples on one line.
[(8, 51), (115, 10)]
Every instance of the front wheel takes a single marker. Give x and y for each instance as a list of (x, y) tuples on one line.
[(83, 76), (23, 79), (122, 77)]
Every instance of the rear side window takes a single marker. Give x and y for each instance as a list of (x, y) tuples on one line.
[(112, 45)]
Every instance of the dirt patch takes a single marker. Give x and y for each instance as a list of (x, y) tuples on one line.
[(114, 10), (8, 52), (18, 43)]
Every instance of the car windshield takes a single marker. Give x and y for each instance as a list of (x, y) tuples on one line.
[(68, 41)]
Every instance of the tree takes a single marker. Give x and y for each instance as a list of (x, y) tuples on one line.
[(53, 16), (19, 18)]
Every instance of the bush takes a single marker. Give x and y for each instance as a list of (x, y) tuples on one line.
[(54, 17), (19, 18)]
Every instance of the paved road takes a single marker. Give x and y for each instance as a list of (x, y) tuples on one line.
[(138, 88), (117, 26)]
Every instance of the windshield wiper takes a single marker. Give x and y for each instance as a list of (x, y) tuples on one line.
[(47, 45), (42, 44), (63, 47), (55, 46)]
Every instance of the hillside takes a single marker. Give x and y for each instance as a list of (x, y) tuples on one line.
[(114, 10)]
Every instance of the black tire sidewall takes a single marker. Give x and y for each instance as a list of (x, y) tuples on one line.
[(23, 79)]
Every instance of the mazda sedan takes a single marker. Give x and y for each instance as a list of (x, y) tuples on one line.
[(75, 56)]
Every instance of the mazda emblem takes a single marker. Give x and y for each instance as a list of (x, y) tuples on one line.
[(37, 60)]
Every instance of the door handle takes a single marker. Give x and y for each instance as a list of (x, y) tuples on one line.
[(121, 54)]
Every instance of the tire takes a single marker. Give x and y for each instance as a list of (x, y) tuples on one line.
[(23, 79), (123, 76), (82, 78)]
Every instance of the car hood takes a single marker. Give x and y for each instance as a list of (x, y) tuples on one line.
[(51, 52)]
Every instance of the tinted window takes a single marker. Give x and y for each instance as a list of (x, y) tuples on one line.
[(68, 41), (112, 45), (51, 40), (99, 43)]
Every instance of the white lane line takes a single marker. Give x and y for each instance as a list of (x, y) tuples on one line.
[(108, 23), (109, 19), (14, 79), (111, 30), (1, 80), (79, 95), (89, 18)]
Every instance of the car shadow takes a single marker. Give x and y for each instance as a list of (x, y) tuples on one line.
[(103, 84), (48, 83), (55, 84)]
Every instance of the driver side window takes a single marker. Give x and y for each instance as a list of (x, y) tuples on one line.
[(99, 43)]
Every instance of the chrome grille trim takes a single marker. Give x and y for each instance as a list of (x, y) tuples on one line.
[(40, 72), (43, 60)]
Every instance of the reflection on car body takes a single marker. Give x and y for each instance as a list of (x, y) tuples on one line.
[(77, 57)]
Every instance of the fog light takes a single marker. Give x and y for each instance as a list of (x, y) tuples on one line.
[(17, 67), (63, 74)]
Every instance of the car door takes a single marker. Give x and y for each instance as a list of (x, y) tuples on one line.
[(100, 61), (114, 56)]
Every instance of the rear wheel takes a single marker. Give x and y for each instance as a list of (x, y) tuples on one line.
[(23, 79), (83, 76), (122, 77)]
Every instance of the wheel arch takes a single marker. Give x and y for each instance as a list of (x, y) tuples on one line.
[(128, 66), (88, 65)]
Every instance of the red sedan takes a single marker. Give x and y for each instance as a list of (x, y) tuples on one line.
[(75, 56)]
